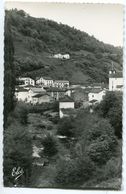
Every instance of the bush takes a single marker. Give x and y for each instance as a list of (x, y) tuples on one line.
[(111, 170), (21, 113), (111, 108), (50, 146), (49, 127), (65, 127), (102, 142), (73, 172), (17, 152)]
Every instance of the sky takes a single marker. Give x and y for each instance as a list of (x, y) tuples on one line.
[(103, 21)]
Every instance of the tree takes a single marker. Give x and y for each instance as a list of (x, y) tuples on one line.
[(111, 108), (50, 146), (65, 127), (72, 173), (17, 153), (21, 112), (115, 117), (102, 142), (95, 137), (9, 73)]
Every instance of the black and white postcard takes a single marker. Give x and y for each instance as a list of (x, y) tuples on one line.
[(63, 95)]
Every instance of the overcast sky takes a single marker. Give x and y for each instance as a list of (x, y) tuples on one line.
[(104, 21)]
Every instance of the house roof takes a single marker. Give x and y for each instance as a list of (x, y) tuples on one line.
[(95, 90), (55, 89), (31, 86), (61, 81), (21, 90), (39, 95), (66, 99), (44, 77), (118, 74), (24, 78), (47, 78), (68, 111), (38, 90), (93, 101)]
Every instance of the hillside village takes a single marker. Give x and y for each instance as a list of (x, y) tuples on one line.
[(62, 106), (46, 90)]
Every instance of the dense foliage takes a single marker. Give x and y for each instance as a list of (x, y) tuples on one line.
[(91, 150), (50, 146), (17, 148), (9, 71), (111, 108), (37, 39)]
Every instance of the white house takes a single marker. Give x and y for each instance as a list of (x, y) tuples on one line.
[(61, 83), (21, 94), (34, 91), (27, 81), (96, 95), (65, 103), (66, 56), (45, 81), (115, 81), (60, 56), (41, 98)]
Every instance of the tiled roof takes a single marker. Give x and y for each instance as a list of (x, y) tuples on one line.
[(95, 90), (39, 95), (38, 90), (31, 86), (21, 90), (55, 89), (24, 78), (61, 81), (44, 77), (66, 99), (68, 111), (47, 78)]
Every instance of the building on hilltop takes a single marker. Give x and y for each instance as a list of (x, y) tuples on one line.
[(26, 81), (115, 81), (45, 81), (65, 103), (60, 56), (61, 83)]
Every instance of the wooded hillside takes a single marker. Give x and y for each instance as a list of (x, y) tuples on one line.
[(37, 39)]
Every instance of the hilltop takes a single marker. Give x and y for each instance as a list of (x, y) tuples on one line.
[(36, 40)]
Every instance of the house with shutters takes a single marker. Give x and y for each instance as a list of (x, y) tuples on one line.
[(26, 81), (45, 81), (61, 83)]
